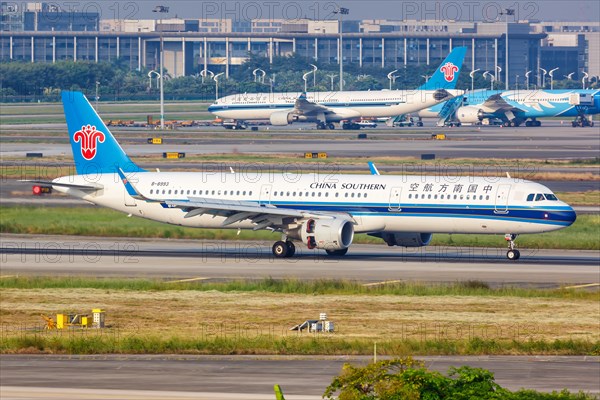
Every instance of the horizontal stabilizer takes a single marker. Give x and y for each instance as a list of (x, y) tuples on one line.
[(91, 186)]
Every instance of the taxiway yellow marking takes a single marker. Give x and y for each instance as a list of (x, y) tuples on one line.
[(582, 286), (381, 283), (188, 280)]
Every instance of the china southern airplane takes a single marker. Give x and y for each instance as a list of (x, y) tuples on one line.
[(321, 211), (515, 107), (325, 108)]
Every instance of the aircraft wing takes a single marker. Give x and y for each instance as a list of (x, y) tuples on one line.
[(263, 216), (496, 103), (303, 106)]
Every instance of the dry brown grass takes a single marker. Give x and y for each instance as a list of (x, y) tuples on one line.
[(191, 313)]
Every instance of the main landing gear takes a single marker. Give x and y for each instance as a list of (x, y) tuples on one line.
[(533, 122), (283, 249), (582, 121), (512, 253), (323, 125)]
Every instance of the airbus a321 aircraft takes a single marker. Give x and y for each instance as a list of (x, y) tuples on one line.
[(321, 211), (325, 108)]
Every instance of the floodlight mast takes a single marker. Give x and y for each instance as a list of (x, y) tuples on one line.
[(161, 10), (341, 11)]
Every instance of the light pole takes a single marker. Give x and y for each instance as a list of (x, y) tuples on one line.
[(569, 76), (341, 11), (426, 77), (543, 77), (527, 78), (272, 81), (498, 71), (314, 75), (585, 76), (256, 78), (216, 78), (97, 97), (391, 77), (492, 78), (551, 74), (305, 79), (204, 72), (517, 83), (506, 13), (472, 75), (161, 10), (332, 77)]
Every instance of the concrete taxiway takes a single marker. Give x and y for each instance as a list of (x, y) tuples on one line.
[(226, 260), (252, 377)]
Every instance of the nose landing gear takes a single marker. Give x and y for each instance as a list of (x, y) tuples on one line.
[(512, 253)]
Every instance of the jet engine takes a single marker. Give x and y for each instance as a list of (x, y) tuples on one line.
[(328, 234), (470, 114), (405, 239), (282, 118)]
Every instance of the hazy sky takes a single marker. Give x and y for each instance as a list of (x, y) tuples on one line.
[(463, 10)]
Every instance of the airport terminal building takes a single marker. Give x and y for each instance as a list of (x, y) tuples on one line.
[(193, 45)]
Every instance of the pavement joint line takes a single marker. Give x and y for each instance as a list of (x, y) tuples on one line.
[(200, 278), (8, 276), (582, 286), (382, 283)]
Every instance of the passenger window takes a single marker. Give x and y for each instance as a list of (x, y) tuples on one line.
[(163, 191), (352, 195), (188, 192), (345, 194), (250, 193), (151, 190), (365, 196), (326, 194), (244, 193), (410, 195), (294, 194), (169, 192)]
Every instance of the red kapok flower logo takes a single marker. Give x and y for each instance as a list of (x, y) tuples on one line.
[(449, 69), (88, 135)]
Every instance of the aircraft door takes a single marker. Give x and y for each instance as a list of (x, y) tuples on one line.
[(501, 203), (265, 195), (395, 199)]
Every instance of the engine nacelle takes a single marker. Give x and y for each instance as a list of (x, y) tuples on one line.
[(281, 118), (406, 239), (470, 114), (328, 234)]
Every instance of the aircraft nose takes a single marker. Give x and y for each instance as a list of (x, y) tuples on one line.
[(571, 216), (212, 107)]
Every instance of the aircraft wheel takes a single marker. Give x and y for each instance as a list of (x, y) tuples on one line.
[(574, 124), (291, 249), (280, 249), (528, 124), (538, 123), (330, 126), (506, 124), (337, 253), (513, 255), (419, 124), (591, 124)]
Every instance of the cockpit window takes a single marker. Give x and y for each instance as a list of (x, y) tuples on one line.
[(539, 197), (530, 197), (550, 196)]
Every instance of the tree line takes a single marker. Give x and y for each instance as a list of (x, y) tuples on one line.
[(23, 81)]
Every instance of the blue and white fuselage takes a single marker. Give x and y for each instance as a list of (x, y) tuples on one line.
[(521, 105), (321, 211)]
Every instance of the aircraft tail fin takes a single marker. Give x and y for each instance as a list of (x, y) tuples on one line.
[(95, 149), (446, 75)]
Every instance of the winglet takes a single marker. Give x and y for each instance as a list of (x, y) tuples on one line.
[(373, 168)]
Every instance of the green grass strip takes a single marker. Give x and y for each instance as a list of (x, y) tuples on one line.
[(85, 221), (295, 286), (110, 341)]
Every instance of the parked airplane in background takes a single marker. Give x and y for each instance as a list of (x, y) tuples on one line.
[(515, 107), (321, 211), (325, 108)]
